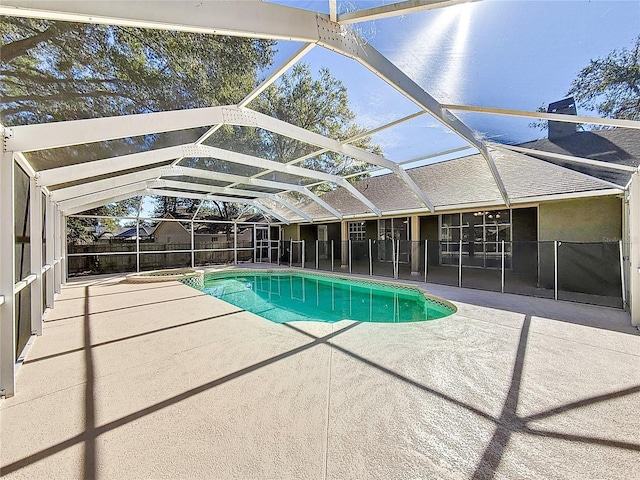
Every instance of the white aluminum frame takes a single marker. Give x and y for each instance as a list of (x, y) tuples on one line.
[(7, 275), (266, 20)]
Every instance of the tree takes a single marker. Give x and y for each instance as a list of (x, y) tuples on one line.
[(55, 71), (611, 85), (83, 230), (319, 104)]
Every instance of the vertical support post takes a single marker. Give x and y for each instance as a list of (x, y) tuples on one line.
[(58, 252), (415, 245), (426, 260), (63, 248), (290, 250), (332, 255), (50, 250), (370, 260), (398, 259), (344, 237), (137, 245), (255, 244), (35, 233), (634, 249), (622, 279), (460, 265), (7, 275), (317, 254), (349, 247), (235, 243), (502, 276), (193, 247), (279, 250), (303, 245), (393, 257), (555, 269)]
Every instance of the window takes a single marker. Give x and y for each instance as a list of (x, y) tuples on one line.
[(357, 231), (393, 228), (479, 235)]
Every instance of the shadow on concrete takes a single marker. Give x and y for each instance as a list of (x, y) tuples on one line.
[(130, 306), (92, 432), (137, 335), (507, 423)]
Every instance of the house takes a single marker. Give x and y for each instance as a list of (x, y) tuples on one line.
[(130, 233), (176, 231), (566, 222)]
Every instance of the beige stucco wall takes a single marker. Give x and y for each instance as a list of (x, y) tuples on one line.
[(581, 220), (291, 231)]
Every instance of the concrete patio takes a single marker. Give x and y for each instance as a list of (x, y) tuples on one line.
[(160, 381)]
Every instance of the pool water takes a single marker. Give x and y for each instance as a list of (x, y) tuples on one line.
[(294, 297)]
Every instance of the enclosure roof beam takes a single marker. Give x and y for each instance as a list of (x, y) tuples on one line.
[(99, 203), (258, 182), (322, 203), (125, 162), (301, 52), (555, 117), (99, 196), (243, 19), (333, 10), (291, 207), (277, 73), (233, 191), (230, 114), (265, 20), (566, 158), (81, 171), (217, 198), (200, 151), (349, 44), (353, 139), (43, 136), (395, 9), (67, 193), (250, 117)]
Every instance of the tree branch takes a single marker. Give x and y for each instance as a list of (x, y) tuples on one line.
[(62, 96), (18, 48)]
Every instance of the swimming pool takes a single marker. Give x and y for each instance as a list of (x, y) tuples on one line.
[(288, 296)]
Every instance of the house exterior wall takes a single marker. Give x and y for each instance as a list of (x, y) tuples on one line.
[(171, 232), (308, 233), (591, 264), (291, 231), (581, 220)]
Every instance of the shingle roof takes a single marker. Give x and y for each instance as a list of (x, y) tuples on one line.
[(461, 181), (620, 146)]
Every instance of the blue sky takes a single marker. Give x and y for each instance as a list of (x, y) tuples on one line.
[(508, 54), (516, 54)]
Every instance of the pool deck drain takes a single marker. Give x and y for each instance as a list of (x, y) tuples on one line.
[(161, 381)]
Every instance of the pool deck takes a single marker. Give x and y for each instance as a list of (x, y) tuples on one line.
[(149, 381)]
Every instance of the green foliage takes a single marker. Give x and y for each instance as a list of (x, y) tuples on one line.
[(55, 71), (187, 207), (611, 85), (58, 71), (320, 105), (83, 230)]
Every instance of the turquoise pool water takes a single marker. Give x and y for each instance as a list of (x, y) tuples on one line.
[(289, 297)]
